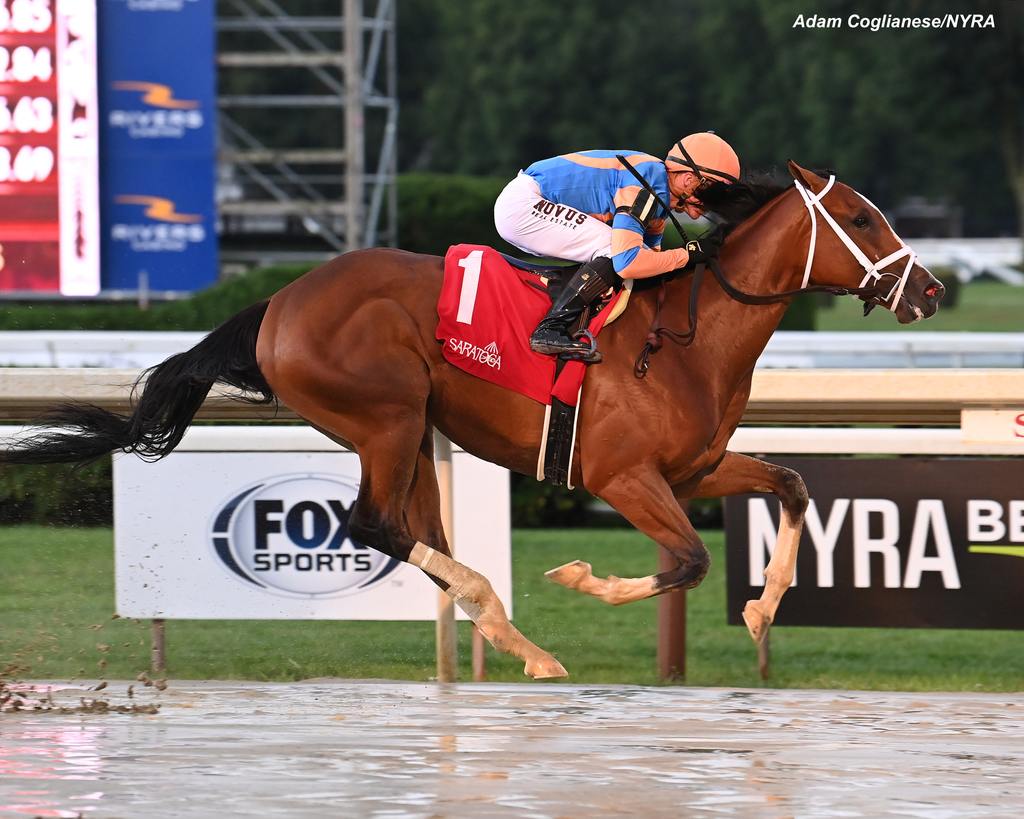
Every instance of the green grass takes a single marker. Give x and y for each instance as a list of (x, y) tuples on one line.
[(984, 306), (56, 600)]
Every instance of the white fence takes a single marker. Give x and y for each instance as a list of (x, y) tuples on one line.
[(868, 350), (971, 258), (918, 397)]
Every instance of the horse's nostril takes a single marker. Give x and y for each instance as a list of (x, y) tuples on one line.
[(933, 290)]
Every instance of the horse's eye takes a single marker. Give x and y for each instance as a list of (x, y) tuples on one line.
[(861, 221)]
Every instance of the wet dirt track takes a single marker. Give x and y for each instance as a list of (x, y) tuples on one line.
[(340, 748)]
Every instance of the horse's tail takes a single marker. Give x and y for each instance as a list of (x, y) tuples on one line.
[(165, 399)]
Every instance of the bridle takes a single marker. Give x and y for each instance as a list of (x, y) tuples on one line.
[(869, 293), (872, 272)]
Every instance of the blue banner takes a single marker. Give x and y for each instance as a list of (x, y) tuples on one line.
[(157, 143)]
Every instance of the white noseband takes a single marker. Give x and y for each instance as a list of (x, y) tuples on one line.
[(873, 272)]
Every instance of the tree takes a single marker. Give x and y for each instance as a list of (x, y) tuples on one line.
[(488, 87)]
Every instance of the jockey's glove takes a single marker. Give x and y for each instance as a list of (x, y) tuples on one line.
[(705, 248)]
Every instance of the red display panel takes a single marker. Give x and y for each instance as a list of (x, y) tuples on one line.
[(49, 231)]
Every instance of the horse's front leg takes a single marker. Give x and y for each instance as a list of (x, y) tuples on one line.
[(739, 474), (643, 496)]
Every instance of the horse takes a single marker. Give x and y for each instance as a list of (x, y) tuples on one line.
[(350, 348)]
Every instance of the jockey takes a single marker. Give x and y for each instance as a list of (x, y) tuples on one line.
[(587, 207)]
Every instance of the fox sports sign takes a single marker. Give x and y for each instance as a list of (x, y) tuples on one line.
[(289, 536)]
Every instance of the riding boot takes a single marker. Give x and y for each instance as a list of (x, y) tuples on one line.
[(586, 286)]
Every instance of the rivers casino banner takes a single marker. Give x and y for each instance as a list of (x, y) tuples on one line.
[(157, 100), (49, 197), (902, 542)]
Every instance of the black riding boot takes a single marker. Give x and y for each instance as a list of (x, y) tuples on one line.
[(585, 287)]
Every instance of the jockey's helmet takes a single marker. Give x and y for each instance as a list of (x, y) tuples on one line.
[(707, 155)]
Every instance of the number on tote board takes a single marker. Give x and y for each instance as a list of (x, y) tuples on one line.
[(29, 115), (26, 15), (29, 164), (25, 64)]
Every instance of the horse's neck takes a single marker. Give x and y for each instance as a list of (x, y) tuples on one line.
[(763, 257)]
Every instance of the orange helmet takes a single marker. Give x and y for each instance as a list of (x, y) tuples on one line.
[(705, 154)]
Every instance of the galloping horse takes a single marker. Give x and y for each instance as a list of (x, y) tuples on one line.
[(350, 347)]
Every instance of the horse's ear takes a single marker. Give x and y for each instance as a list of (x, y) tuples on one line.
[(808, 179)]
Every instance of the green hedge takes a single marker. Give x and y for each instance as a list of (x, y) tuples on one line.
[(440, 210), (952, 283), (60, 495), (801, 313), (203, 311)]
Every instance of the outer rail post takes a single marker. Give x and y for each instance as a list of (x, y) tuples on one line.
[(446, 633), (671, 627), (764, 656), (158, 653), (479, 656)]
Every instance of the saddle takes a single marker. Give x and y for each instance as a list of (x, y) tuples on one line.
[(542, 269), (555, 276), (485, 319), (558, 437)]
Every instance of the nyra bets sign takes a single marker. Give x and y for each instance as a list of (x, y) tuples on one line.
[(891, 542), (265, 535)]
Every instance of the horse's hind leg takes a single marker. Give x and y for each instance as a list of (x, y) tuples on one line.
[(738, 474), (398, 494), (469, 589), (423, 508), (644, 498)]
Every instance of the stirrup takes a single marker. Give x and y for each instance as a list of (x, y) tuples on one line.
[(589, 356), (563, 348)]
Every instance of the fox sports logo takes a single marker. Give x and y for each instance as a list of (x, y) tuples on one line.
[(289, 535)]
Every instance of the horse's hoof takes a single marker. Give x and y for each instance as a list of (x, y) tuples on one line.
[(545, 667), (571, 574), (757, 621)]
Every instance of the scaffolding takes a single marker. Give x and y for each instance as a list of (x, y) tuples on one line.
[(307, 104)]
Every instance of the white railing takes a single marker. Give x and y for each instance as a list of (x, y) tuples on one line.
[(972, 257), (868, 350), (874, 350), (752, 440), (919, 397)]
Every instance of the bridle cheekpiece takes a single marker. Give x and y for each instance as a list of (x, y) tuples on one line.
[(873, 271)]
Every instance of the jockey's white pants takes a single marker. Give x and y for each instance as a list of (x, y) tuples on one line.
[(527, 220)]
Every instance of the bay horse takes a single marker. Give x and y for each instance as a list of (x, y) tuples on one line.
[(350, 348)]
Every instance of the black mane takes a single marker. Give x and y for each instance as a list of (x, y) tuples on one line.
[(736, 202)]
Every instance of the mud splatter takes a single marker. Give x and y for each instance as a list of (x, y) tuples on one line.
[(16, 697)]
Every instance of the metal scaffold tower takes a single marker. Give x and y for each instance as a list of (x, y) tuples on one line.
[(308, 114)]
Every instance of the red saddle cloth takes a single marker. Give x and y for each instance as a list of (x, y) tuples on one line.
[(486, 312)]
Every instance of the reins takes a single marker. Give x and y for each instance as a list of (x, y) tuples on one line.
[(871, 294), (654, 335), (654, 342)]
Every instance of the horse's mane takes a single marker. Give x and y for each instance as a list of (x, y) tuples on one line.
[(737, 202)]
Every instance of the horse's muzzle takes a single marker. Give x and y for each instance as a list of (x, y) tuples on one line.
[(921, 296)]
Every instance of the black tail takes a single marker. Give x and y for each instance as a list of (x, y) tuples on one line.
[(165, 399)]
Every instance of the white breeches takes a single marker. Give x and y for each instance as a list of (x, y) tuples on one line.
[(527, 220)]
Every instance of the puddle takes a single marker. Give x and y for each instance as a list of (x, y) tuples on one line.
[(328, 747)]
